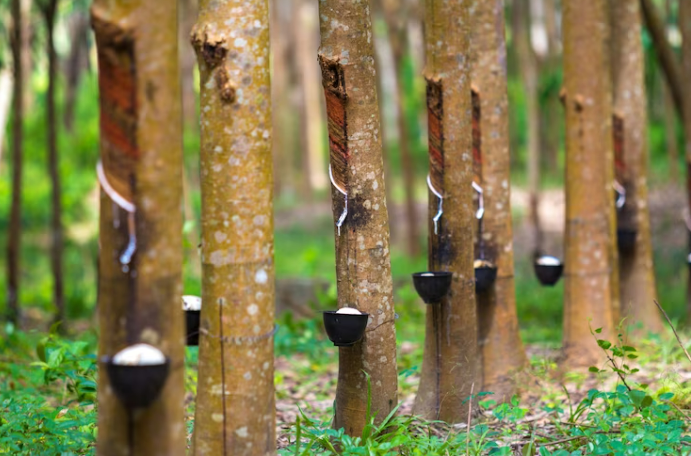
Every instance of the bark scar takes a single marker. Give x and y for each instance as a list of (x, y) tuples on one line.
[(435, 119), (333, 80), (477, 134)]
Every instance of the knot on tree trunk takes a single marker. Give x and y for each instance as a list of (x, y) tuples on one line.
[(212, 50)]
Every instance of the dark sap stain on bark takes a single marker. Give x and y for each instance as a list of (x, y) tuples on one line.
[(444, 252), (477, 135), (485, 250), (435, 116), (213, 53), (333, 80), (358, 214)]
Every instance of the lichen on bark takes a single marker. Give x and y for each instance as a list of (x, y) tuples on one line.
[(235, 411), (450, 367), (363, 267)]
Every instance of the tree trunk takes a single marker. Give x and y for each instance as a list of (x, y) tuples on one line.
[(187, 18), (25, 53), (685, 27), (285, 148), (49, 9), (529, 74), (15, 231), (235, 412), (671, 134), (193, 238), (670, 120), (140, 262), (386, 72), (306, 42), (637, 282), (588, 288), (76, 63), (363, 266), (307, 37), (499, 338), (396, 21), (665, 53), (550, 18), (451, 364), (6, 90)]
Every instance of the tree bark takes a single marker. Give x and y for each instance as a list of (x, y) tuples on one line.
[(385, 73), (187, 18), (76, 63), (140, 261), (670, 120), (529, 73), (451, 366), (307, 35), (15, 231), (25, 52), (49, 10), (363, 265), (235, 412), (499, 339), (637, 281), (588, 288), (396, 21), (285, 147)]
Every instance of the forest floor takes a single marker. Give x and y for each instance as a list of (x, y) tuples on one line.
[(553, 410)]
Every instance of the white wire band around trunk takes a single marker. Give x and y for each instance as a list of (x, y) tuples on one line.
[(342, 218), (130, 208), (441, 203), (480, 202), (110, 191)]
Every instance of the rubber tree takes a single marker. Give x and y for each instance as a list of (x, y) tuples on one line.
[(49, 10), (637, 279), (685, 27), (140, 172), (589, 237), (15, 230), (681, 96), (529, 73), (363, 264), (451, 364), (499, 338), (396, 17), (235, 412)]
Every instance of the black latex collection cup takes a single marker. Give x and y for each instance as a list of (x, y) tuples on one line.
[(136, 386), (548, 270), (485, 275), (432, 286), (344, 329)]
